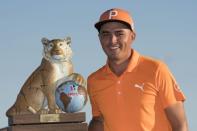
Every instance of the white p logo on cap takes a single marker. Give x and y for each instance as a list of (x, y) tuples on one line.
[(113, 13)]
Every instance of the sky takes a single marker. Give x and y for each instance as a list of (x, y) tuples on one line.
[(166, 30)]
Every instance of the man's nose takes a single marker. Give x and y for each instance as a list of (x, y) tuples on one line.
[(113, 39)]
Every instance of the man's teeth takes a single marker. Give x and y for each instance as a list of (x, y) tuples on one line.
[(114, 47)]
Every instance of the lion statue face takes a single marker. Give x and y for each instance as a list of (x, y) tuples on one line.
[(57, 50)]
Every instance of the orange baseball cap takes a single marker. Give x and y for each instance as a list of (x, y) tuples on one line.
[(115, 14)]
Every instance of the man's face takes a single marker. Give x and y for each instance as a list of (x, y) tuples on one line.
[(116, 39)]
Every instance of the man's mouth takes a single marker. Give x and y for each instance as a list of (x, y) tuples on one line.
[(114, 47)]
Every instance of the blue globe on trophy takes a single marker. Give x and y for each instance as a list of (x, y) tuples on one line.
[(70, 97)]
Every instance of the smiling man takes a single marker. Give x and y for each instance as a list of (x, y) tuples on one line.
[(132, 92)]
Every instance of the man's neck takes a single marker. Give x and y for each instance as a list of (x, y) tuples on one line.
[(118, 67)]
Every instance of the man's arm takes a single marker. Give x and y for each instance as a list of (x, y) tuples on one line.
[(96, 124), (176, 116)]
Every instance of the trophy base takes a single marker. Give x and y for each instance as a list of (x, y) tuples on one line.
[(48, 122)]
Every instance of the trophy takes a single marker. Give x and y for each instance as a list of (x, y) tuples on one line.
[(53, 95)]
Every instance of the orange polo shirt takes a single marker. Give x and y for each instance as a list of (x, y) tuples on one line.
[(134, 101)]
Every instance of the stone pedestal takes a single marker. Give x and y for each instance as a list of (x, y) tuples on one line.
[(48, 122)]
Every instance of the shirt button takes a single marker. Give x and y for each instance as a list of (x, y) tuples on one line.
[(119, 93)]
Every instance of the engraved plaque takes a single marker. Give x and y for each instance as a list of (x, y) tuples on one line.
[(49, 118)]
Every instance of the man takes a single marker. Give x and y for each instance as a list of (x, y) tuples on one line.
[(132, 92)]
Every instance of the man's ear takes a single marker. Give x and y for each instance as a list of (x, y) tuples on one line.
[(133, 35), (99, 36)]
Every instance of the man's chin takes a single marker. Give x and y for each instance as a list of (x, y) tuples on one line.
[(113, 57)]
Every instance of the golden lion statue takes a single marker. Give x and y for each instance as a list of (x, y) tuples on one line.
[(37, 95)]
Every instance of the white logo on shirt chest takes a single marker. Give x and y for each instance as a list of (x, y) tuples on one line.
[(140, 86)]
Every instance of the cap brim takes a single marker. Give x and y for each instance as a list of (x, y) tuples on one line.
[(100, 23)]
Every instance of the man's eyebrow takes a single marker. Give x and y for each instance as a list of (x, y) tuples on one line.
[(105, 31), (118, 31)]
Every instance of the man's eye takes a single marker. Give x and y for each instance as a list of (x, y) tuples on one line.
[(120, 34), (105, 34)]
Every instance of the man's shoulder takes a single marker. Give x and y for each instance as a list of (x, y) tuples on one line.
[(150, 62), (144, 61), (99, 72), (149, 66)]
